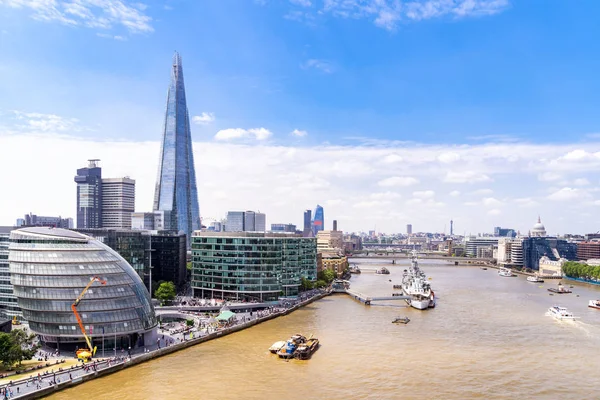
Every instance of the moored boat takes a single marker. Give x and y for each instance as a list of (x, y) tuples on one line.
[(401, 320), (561, 313), (306, 350), (505, 272), (277, 346), (560, 289), (594, 304), (382, 271), (290, 346), (534, 279)]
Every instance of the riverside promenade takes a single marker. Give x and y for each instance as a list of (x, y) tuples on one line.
[(35, 387)]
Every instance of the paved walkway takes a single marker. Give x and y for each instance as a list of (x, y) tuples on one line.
[(25, 384)]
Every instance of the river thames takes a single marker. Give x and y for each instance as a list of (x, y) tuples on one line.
[(488, 338)]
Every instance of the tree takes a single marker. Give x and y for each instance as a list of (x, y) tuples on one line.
[(165, 292), (189, 266), (326, 275), (305, 284), (16, 347), (320, 284)]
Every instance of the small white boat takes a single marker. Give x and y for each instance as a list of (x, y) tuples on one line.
[(535, 279), (505, 272), (561, 313), (594, 304), (277, 346)]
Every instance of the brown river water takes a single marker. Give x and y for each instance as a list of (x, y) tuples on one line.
[(488, 338)]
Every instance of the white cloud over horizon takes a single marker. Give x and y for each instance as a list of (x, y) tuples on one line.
[(204, 118), (239, 133), (355, 183)]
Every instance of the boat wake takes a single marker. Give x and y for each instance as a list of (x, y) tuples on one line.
[(591, 331)]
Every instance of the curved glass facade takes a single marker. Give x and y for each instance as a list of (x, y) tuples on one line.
[(50, 267), (247, 266), (318, 222)]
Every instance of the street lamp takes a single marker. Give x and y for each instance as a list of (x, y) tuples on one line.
[(150, 250)]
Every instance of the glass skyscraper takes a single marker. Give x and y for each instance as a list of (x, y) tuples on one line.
[(176, 191), (89, 196), (318, 222)]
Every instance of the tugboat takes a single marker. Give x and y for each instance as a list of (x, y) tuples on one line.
[(560, 290), (382, 271), (354, 269), (306, 350), (288, 350), (401, 320)]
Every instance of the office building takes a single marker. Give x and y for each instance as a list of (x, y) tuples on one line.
[(235, 221), (37, 220), (335, 224), (245, 221), (156, 220), (169, 251), (8, 301), (249, 225), (588, 251), (472, 243), (534, 248), (409, 229), (451, 228), (215, 226), (176, 190), (50, 267), (330, 241), (132, 245), (260, 222), (318, 221), (504, 232), (89, 196), (290, 228), (251, 265), (307, 223), (118, 202)]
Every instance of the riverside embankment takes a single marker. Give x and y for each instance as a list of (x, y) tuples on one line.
[(29, 390)]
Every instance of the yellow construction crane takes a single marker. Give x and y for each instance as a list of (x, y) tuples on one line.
[(85, 354)]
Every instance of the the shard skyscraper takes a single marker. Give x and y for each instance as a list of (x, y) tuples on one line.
[(176, 193)]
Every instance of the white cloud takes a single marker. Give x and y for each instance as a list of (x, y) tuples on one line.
[(424, 194), (95, 14), (549, 176), (491, 202), (31, 121), (448, 157), (567, 193), (392, 158), (494, 211), (283, 180), (301, 3), (465, 177), (398, 181), (299, 133), (109, 36), (321, 65), (239, 133), (481, 192), (387, 13), (204, 118), (581, 182)]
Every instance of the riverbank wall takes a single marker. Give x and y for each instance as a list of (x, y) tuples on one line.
[(163, 352)]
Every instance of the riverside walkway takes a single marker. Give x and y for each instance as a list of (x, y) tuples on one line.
[(32, 386)]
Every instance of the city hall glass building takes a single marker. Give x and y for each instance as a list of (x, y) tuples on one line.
[(49, 269), (176, 192), (251, 266)]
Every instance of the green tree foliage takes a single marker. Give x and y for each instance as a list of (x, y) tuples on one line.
[(189, 322), (165, 292), (189, 266), (320, 284), (326, 275), (579, 270), (305, 284), (17, 346)]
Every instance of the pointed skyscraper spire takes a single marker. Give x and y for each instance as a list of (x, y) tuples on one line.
[(176, 193)]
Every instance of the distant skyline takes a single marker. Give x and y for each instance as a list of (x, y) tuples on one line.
[(480, 111)]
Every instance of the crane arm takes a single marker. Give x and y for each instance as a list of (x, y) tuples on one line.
[(76, 303)]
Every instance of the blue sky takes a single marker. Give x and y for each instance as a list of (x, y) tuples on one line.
[(362, 74)]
